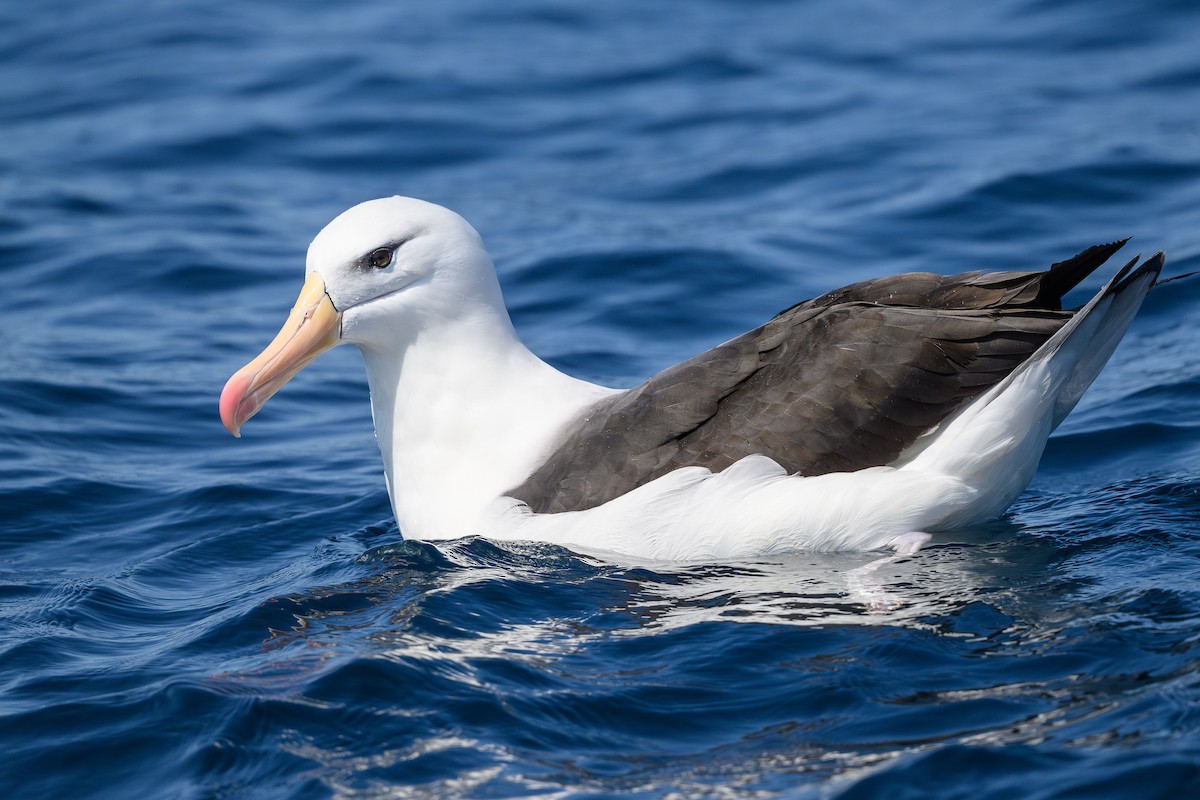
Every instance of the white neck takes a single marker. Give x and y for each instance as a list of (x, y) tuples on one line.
[(462, 414)]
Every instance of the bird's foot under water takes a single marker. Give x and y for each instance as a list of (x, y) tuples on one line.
[(865, 588), (908, 543)]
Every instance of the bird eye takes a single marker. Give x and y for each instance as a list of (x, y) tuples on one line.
[(380, 258)]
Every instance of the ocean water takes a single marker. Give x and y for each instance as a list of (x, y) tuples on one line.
[(183, 615)]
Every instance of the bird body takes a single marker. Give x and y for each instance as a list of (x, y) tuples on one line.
[(463, 420), (865, 418)]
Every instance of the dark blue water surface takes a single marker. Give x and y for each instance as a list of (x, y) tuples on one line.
[(183, 615)]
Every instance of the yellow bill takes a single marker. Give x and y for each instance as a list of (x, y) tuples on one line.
[(312, 328)]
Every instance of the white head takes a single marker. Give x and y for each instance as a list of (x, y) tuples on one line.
[(410, 262), (378, 275)]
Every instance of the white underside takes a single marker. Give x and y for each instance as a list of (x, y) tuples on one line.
[(970, 471)]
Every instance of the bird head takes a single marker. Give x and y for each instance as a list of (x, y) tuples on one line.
[(377, 276)]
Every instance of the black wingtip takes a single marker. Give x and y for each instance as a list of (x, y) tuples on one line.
[(1125, 270), (1063, 276), (1128, 276)]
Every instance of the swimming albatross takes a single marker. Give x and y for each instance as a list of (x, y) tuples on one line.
[(868, 417)]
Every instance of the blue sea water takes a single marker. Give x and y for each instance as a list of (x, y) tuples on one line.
[(183, 615)]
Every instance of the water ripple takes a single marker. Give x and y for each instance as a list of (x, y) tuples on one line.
[(189, 616)]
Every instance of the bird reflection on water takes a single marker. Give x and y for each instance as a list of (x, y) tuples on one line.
[(472, 632)]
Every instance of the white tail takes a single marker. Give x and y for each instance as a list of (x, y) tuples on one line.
[(995, 443)]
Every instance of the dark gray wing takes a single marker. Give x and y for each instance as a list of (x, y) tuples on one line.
[(838, 383), (978, 290)]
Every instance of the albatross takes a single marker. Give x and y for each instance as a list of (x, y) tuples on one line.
[(870, 417)]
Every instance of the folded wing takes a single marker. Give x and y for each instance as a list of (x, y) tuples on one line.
[(845, 381)]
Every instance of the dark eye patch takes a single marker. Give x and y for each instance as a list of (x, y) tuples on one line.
[(380, 257)]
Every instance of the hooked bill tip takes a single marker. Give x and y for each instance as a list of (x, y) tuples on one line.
[(231, 398)]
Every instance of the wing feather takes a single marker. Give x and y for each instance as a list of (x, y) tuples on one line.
[(842, 382)]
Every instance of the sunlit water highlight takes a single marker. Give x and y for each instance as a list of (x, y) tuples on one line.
[(185, 615)]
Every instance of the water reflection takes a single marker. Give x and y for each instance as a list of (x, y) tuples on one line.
[(474, 597), (486, 662)]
